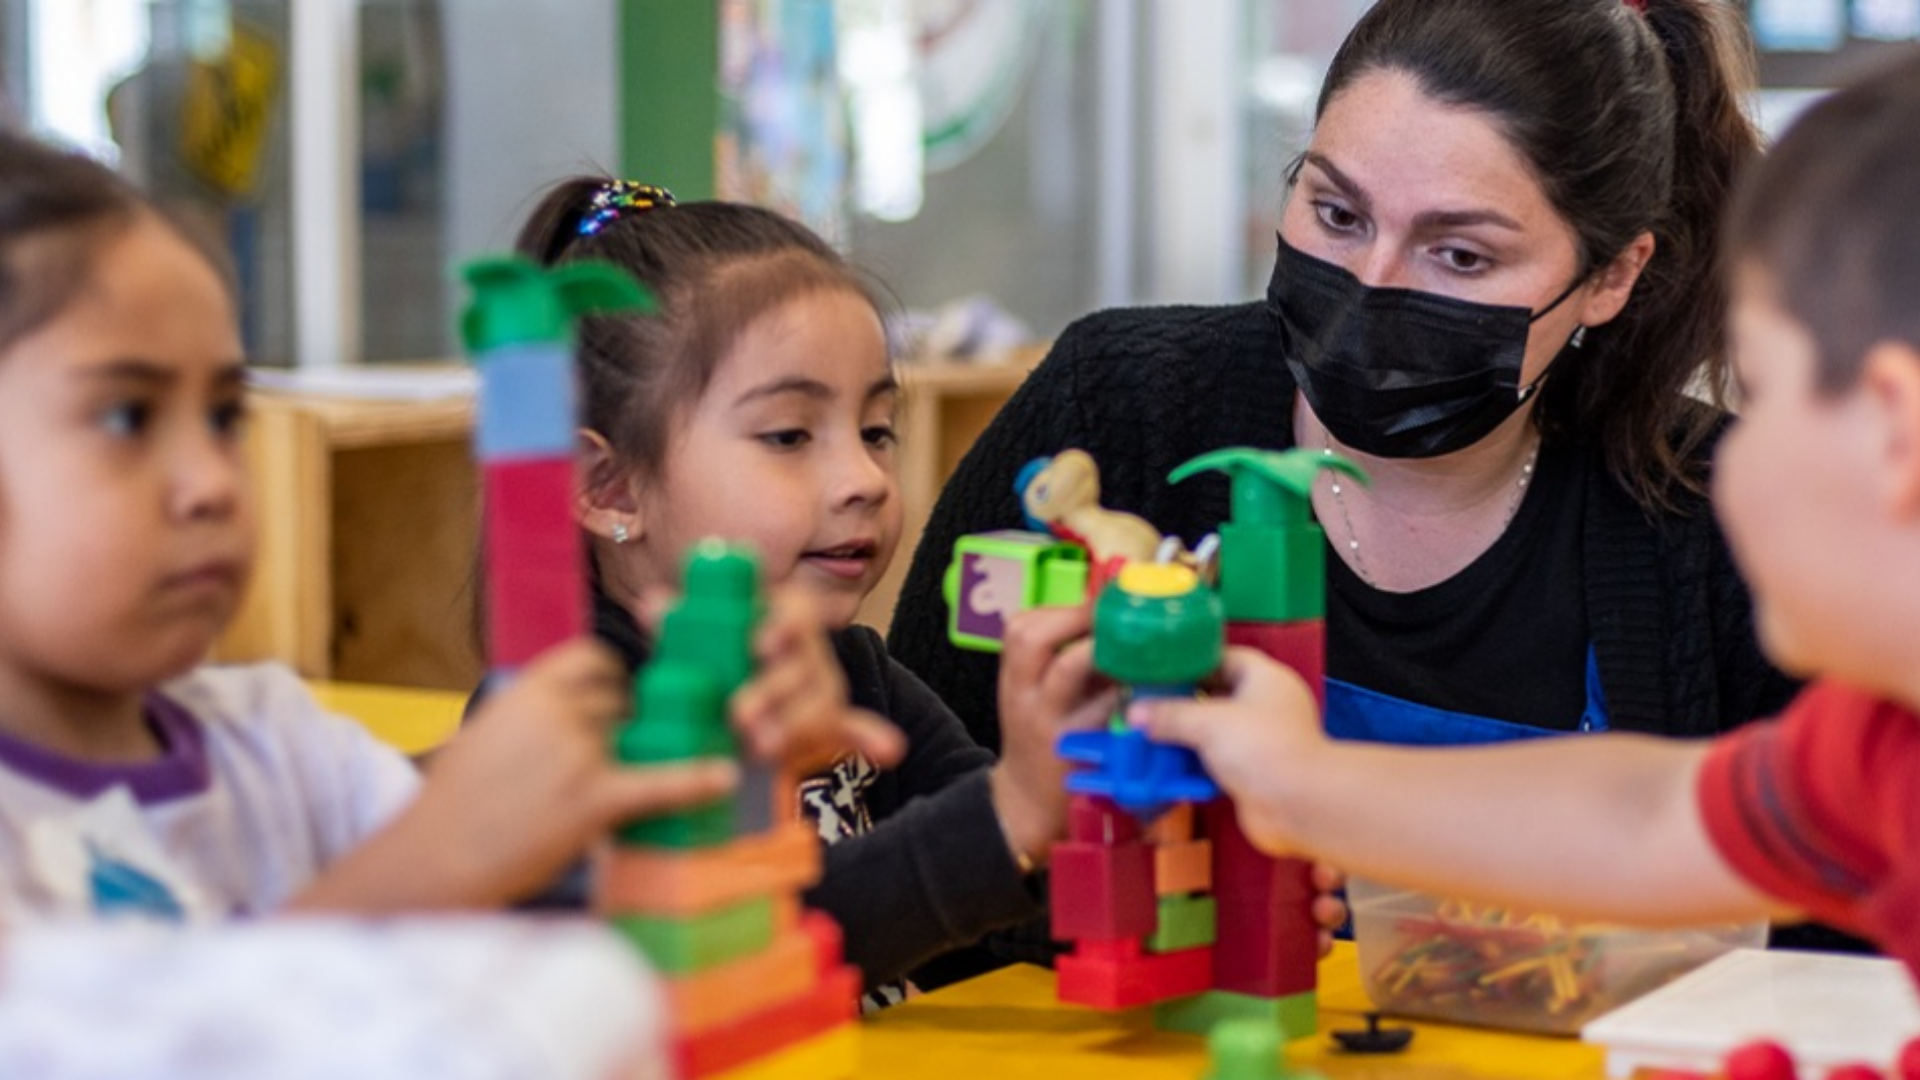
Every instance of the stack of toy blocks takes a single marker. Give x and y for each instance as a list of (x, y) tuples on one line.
[(1157, 630), (1272, 582), (1183, 912), (519, 329), (756, 986)]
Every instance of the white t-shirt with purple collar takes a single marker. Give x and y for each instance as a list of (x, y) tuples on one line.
[(256, 791)]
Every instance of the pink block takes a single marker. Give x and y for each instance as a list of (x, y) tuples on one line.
[(536, 580)]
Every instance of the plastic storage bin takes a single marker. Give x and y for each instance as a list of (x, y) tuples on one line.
[(1446, 959)]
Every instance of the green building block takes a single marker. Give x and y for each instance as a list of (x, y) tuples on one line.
[(1273, 574), (698, 942), (1185, 922), (681, 716), (704, 653), (712, 625), (1201, 1013), (1272, 555), (1157, 625), (995, 574), (709, 825), (1245, 1050)]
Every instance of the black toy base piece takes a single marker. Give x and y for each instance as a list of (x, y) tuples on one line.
[(1375, 1039)]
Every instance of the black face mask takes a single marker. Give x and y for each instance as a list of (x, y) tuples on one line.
[(1398, 373)]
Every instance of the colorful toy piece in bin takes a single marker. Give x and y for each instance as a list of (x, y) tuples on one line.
[(755, 985), (519, 328), (995, 574), (1447, 959)]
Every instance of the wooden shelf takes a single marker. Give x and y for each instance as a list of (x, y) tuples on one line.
[(368, 517)]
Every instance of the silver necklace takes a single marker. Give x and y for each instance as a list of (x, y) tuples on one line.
[(1353, 539)]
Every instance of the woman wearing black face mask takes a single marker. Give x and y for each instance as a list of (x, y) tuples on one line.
[(1495, 287)]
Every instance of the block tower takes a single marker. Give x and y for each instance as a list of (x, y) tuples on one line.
[(519, 329), (1272, 584), (756, 988), (1164, 900)]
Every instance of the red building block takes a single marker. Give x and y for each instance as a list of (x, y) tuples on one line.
[(1267, 943), (1103, 892), (1097, 819), (1119, 975), (832, 1002), (1301, 646)]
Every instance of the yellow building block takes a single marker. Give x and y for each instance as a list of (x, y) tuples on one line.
[(833, 1056)]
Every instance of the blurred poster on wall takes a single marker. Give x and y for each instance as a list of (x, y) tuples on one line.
[(1800, 25), (783, 140)]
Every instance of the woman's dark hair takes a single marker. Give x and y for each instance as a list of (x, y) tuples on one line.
[(55, 209), (1828, 217), (1632, 117), (713, 267)]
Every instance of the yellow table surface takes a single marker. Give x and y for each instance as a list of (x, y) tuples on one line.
[(412, 721), (1007, 1026)]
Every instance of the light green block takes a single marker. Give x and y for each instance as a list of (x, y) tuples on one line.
[(698, 942), (1296, 1014), (1185, 922)]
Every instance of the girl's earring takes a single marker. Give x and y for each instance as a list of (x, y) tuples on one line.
[(620, 534), (1579, 337)]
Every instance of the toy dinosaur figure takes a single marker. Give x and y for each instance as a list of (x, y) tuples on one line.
[(1062, 495)]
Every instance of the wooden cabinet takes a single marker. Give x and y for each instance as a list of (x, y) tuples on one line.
[(368, 513)]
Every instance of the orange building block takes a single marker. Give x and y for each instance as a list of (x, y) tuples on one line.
[(1182, 868), (1172, 827), (688, 881), (787, 969)]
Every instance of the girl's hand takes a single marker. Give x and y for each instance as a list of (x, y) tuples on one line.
[(1265, 730), (524, 788), (1047, 687), (1329, 910), (794, 711)]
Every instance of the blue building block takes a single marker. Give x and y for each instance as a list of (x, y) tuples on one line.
[(1142, 776), (527, 403)]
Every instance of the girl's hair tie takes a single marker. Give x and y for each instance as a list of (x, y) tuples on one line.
[(616, 197)]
